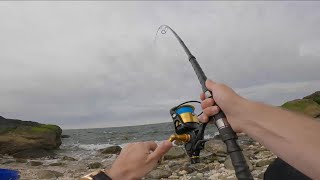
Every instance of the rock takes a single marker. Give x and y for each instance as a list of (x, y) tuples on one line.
[(215, 146), (263, 154), (228, 163), (35, 163), (94, 165), (213, 166), (199, 167), (214, 176), (7, 161), (66, 158), (221, 159), (305, 106), (173, 177), (111, 150), (48, 174), (200, 175), (65, 136), (34, 153), (195, 178), (57, 164), (183, 172), (315, 97), (21, 160), (178, 143), (209, 158), (17, 135), (261, 175), (186, 169), (158, 174), (264, 162), (174, 153)]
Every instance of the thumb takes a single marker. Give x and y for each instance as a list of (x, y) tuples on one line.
[(210, 84), (164, 147)]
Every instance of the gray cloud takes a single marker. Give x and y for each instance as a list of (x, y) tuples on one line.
[(94, 64)]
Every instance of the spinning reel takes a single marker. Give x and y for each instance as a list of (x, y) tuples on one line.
[(188, 130)]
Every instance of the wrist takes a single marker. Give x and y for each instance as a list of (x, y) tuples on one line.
[(115, 174)]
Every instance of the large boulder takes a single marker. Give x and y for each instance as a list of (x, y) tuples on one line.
[(305, 106), (17, 136)]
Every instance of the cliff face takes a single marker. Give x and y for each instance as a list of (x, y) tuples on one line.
[(17, 135), (309, 105)]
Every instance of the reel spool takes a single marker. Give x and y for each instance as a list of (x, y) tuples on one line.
[(184, 119)]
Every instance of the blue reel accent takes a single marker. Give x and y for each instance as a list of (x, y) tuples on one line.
[(184, 109)]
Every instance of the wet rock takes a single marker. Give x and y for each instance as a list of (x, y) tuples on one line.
[(228, 163), (111, 150), (158, 174), (34, 153), (35, 163), (65, 136), (94, 165), (67, 158), (264, 162), (48, 174), (175, 153)]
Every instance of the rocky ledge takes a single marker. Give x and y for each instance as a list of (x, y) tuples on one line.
[(309, 105), (26, 139)]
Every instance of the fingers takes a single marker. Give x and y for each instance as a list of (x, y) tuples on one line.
[(160, 150), (212, 110), (203, 118), (207, 103), (151, 145), (202, 96)]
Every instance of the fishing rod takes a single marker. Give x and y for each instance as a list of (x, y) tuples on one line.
[(191, 132)]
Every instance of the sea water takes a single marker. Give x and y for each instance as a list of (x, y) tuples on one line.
[(83, 143)]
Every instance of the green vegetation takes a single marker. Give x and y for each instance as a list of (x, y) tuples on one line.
[(305, 106), (42, 128)]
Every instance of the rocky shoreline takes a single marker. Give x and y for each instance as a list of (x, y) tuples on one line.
[(215, 164)]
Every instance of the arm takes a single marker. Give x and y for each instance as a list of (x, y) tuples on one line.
[(292, 137)]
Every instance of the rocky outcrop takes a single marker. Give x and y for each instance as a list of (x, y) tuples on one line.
[(314, 96), (305, 106), (17, 136)]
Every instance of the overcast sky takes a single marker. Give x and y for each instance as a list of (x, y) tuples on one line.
[(95, 64)]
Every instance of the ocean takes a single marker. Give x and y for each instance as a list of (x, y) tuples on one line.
[(83, 143)]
